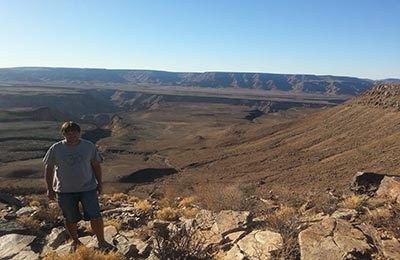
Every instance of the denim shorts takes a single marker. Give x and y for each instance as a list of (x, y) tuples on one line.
[(69, 204)]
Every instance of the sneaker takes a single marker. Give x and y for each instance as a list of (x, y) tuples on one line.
[(107, 247), (74, 246)]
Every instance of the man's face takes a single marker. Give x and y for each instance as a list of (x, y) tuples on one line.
[(72, 137)]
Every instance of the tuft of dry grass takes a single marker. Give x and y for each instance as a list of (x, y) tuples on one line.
[(34, 203), (352, 202), (49, 215), (186, 202), (143, 205), (188, 212), (84, 253), (167, 213), (119, 196), (111, 222), (133, 199)]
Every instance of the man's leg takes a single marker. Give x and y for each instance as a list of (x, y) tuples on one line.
[(97, 225), (72, 229)]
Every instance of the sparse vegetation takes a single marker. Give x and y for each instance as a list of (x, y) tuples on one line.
[(186, 202), (133, 199), (119, 196), (180, 243), (188, 212), (352, 202), (285, 221), (220, 197), (167, 213), (51, 214), (84, 253), (143, 205), (114, 223)]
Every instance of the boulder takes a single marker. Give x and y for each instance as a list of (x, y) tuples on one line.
[(228, 221), (132, 248), (11, 227), (109, 233), (333, 239), (26, 255), (12, 244), (390, 189), (346, 214), (234, 254), (204, 219), (260, 243)]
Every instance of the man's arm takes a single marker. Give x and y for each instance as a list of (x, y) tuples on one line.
[(98, 174), (49, 175)]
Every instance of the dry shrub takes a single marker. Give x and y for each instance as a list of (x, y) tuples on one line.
[(352, 202), (29, 223), (133, 199), (84, 253), (119, 196), (167, 213), (143, 205), (186, 202), (219, 197), (179, 243), (285, 221), (188, 212), (50, 215)]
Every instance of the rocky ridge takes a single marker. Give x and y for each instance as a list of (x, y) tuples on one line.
[(365, 225), (386, 96), (265, 81)]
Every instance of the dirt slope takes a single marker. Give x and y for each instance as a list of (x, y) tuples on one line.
[(322, 151)]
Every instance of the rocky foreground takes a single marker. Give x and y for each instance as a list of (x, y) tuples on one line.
[(365, 224)]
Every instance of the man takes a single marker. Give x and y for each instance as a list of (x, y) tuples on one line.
[(73, 175)]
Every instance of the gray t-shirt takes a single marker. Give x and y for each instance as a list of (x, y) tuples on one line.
[(73, 169)]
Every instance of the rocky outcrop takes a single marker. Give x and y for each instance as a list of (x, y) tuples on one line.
[(390, 189), (385, 96), (333, 239), (139, 231), (12, 245)]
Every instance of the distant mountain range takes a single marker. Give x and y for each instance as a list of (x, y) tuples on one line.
[(238, 80)]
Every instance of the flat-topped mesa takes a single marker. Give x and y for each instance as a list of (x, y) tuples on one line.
[(385, 96)]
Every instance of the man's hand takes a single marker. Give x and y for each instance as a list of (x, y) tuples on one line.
[(51, 194), (99, 188)]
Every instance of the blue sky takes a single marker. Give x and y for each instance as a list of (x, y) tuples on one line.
[(343, 37)]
